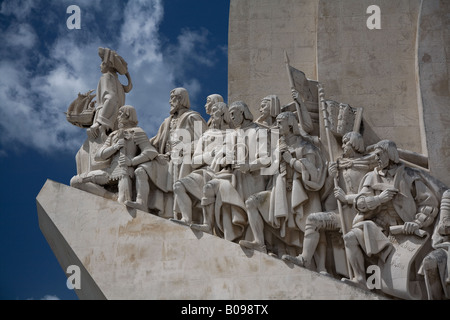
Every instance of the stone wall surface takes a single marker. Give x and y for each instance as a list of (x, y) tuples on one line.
[(399, 74), (128, 254)]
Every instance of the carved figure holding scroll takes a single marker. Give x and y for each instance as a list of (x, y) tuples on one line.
[(390, 197)]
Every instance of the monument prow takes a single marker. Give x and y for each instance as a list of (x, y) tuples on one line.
[(129, 254)]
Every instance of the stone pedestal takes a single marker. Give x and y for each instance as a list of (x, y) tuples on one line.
[(129, 254)]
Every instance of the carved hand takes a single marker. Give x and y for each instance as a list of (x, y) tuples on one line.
[(387, 195), (125, 161), (243, 167), (410, 227), (162, 158), (287, 156), (340, 194), (332, 169), (120, 144), (93, 131)]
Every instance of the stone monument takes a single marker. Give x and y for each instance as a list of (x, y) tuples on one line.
[(309, 184)]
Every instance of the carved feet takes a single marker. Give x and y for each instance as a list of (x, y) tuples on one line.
[(202, 227), (299, 261), (136, 205), (253, 245), (181, 221)]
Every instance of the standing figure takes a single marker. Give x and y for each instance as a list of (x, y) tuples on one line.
[(270, 108), (349, 169), (389, 196), (99, 116), (110, 93), (436, 265), (283, 209), (175, 142), (237, 176), (210, 101), (188, 190), (125, 148)]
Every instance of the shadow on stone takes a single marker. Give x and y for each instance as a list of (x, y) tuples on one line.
[(131, 211)]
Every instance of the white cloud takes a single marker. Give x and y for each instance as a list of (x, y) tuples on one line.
[(21, 9), (33, 99), (50, 297), (19, 36)]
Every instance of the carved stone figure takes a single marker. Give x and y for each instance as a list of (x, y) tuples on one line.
[(269, 110), (188, 190), (231, 178), (175, 142), (110, 92), (237, 177), (125, 148), (210, 101), (436, 265), (349, 170), (391, 200), (283, 209)]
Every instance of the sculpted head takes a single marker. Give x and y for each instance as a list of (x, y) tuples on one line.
[(270, 106), (220, 115), (211, 100), (179, 98), (111, 61), (352, 142), (386, 153), (239, 112), (287, 123), (127, 117)]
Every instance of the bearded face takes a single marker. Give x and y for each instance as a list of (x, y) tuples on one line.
[(216, 116), (347, 149), (124, 119), (175, 102), (264, 109)]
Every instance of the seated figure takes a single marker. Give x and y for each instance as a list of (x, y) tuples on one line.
[(125, 148), (188, 190)]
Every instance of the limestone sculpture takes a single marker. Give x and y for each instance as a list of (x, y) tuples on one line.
[(293, 194), (349, 170), (174, 141), (99, 116), (188, 190), (273, 185), (237, 177), (436, 265), (125, 148), (269, 110), (390, 201), (210, 101)]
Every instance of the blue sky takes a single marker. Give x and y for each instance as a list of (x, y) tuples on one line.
[(44, 65)]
